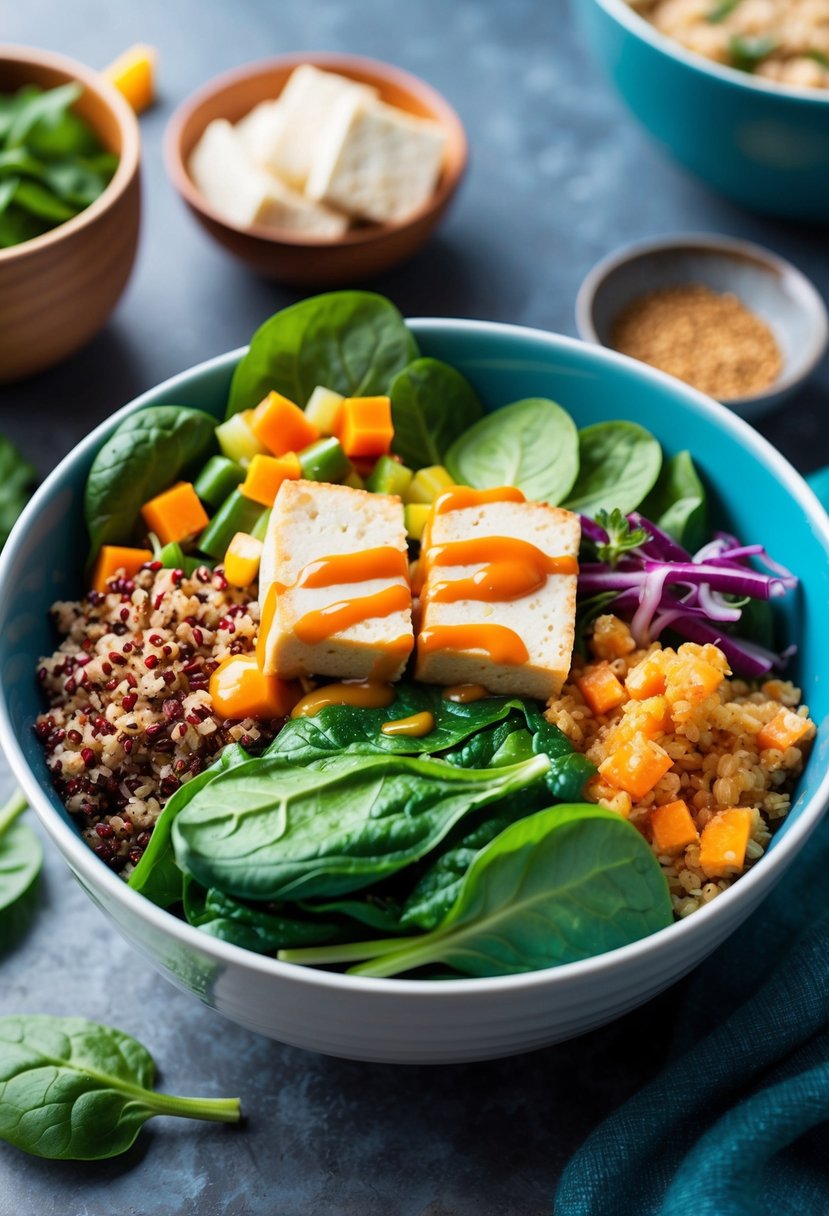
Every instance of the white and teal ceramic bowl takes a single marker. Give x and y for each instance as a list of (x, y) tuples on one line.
[(417, 1021)]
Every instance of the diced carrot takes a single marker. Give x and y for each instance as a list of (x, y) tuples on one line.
[(241, 563), (724, 841), (611, 638), (647, 678), (132, 74), (365, 426), (785, 730), (266, 474), (651, 718), (281, 425), (600, 688), (672, 827), (238, 689), (636, 766), (113, 558), (689, 678), (176, 514)]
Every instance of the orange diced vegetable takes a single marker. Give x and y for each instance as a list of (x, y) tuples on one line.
[(785, 729), (242, 559), (636, 766), (113, 558), (650, 718), (600, 688), (724, 840), (238, 689), (672, 827), (365, 426), (647, 678), (611, 638), (132, 74), (266, 474), (281, 425), (692, 679), (176, 514)]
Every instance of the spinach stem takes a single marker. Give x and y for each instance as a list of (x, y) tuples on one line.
[(317, 956), (216, 1110), (12, 810)]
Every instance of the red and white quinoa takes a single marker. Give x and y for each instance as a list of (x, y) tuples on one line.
[(130, 716)]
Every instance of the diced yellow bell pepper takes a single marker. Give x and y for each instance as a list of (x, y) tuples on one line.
[(242, 559), (415, 515), (324, 410), (428, 483)]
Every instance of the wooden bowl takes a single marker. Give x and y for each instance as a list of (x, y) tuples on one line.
[(57, 290), (362, 252)]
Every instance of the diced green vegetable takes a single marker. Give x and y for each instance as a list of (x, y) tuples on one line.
[(236, 514), (237, 440), (217, 479), (323, 409), (389, 476), (261, 527), (324, 460), (427, 484)]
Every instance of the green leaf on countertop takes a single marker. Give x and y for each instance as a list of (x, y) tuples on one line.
[(17, 477), (21, 858)]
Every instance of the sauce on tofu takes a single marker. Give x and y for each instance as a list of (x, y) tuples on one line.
[(315, 627), (384, 562), (365, 694), (500, 644)]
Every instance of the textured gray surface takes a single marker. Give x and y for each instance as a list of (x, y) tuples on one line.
[(559, 176)]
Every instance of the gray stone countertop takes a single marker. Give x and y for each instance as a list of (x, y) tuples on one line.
[(560, 175)]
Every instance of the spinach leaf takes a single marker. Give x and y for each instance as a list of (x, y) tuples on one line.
[(20, 860), (619, 463), (532, 444), (678, 503), (432, 405), (148, 452), (748, 51), (16, 479), (75, 1090), (262, 831), (375, 911), (480, 749), (353, 342), (251, 927), (157, 876), (564, 884), (37, 108)]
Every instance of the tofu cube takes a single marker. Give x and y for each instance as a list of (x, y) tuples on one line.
[(543, 620), (305, 105), (246, 196), (259, 131), (312, 521), (376, 162)]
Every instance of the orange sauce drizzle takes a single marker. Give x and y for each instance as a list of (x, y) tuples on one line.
[(500, 644), (462, 694), (387, 665), (265, 622), (365, 694), (414, 727), (316, 626), (383, 562), (464, 496)]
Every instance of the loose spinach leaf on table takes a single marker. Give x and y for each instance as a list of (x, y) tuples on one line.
[(354, 342), (531, 444), (75, 1090), (16, 479), (678, 503), (619, 463), (265, 832), (147, 453), (432, 405), (21, 858)]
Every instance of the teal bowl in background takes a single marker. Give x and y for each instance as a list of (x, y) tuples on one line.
[(762, 144), (753, 490)]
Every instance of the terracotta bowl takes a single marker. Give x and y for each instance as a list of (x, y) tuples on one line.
[(364, 251), (57, 290)]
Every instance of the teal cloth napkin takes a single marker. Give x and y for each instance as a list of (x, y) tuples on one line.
[(736, 1124)]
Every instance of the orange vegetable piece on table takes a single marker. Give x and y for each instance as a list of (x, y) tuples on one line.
[(266, 474), (282, 426), (723, 843), (176, 514), (241, 563), (133, 76), (672, 827), (600, 688), (238, 689), (365, 426), (636, 766), (647, 678), (784, 730), (113, 558)]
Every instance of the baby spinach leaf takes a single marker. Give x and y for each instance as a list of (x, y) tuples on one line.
[(619, 463), (375, 911), (480, 749), (253, 927), (564, 884), (40, 108), (16, 479), (33, 197), (678, 504), (432, 405), (353, 342), (75, 1090), (20, 860), (532, 444), (157, 876), (147, 453), (17, 225), (265, 832)]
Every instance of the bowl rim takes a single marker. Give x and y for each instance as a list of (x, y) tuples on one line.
[(445, 115), (108, 886), (128, 160), (809, 299), (626, 16)]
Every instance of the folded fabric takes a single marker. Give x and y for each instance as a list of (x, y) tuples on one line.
[(722, 1131)]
